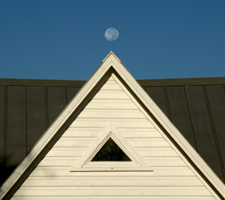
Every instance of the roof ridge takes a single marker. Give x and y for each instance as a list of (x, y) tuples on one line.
[(111, 53)]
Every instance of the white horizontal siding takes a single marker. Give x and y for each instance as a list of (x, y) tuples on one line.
[(136, 123), (111, 114), (58, 161), (126, 132), (139, 133), (145, 143), (111, 95), (82, 132), (112, 191), (171, 178), (119, 198), (115, 181), (156, 152), (66, 152), (145, 152), (111, 105), (65, 172), (73, 142)]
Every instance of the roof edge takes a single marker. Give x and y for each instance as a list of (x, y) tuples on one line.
[(110, 54)]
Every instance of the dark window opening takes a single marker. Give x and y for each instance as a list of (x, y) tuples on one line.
[(111, 152)]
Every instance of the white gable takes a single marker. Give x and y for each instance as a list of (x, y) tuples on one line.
[(158, 169)]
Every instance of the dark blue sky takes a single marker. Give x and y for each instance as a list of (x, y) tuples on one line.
[(53, 39)]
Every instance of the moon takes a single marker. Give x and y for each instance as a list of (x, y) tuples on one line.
[(111, 34)]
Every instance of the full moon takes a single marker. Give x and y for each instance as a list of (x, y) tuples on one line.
[(111, 34)]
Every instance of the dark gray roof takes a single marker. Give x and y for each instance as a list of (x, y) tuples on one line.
[(196, 107)]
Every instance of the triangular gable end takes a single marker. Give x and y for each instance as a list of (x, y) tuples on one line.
[(102, 73)]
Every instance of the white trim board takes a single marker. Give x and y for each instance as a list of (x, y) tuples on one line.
[(111, 61), (136, 164)]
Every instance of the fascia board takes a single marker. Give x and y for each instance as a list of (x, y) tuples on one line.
[(169, 127)]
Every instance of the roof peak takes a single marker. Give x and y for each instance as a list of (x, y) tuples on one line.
[(109, 55)]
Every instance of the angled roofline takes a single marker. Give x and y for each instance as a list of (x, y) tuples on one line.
[(112, 61)]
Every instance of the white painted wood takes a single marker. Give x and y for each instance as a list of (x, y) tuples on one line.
[(165, 161), (156, 152), (116, 122), (74, 142), (118, 198), (111, 114), (139, 133), (123, 169), (111, 95), (144, 143), (112, 182), (157, 172), (82, 132), (66, 152), (58, 161), (111, 86), (111, 164), (112, 191), (112, 105)]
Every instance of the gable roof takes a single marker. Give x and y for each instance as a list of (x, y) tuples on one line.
[(111, 63)]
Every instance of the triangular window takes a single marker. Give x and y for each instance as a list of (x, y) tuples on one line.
[(111, 152)]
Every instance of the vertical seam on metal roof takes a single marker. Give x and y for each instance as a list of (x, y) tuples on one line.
[(213, 130), (26, 124), (5, 127), (66, 95), (185, 93), (46, 108), (167, 103)]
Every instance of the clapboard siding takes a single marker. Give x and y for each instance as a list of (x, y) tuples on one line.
[(111, 95), (68, 142), (58, 162), (111, 114), (115, 181), (111, 191), (121, 198), (66, 152), (154, 142), (126, 132), (145, 152), (82, 132), (171, 175), (156, 152), (158, 172), (112, 104), (139, 133), (137, 123)]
